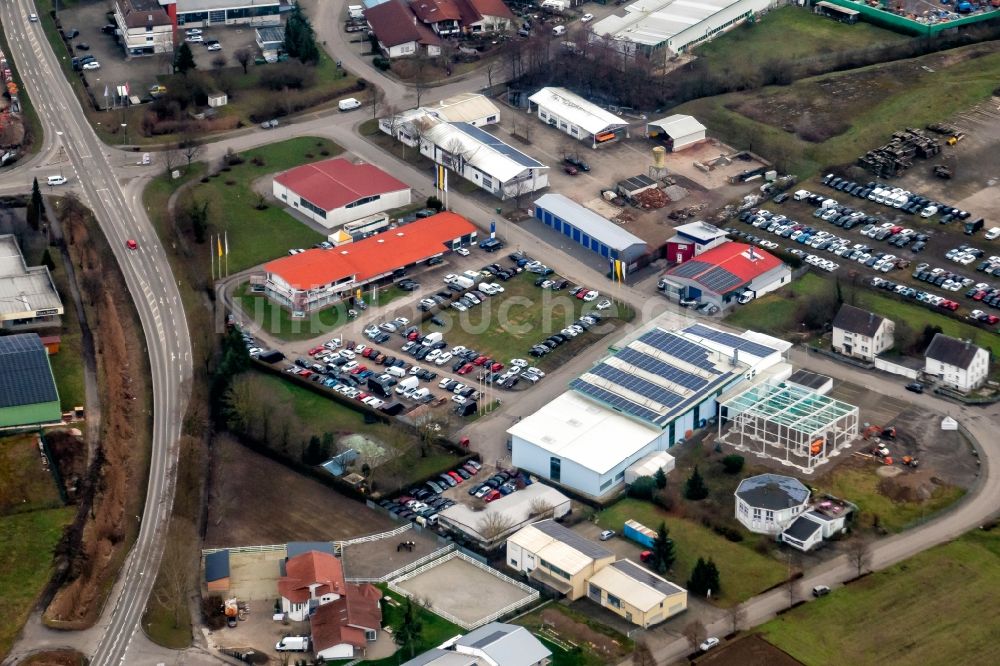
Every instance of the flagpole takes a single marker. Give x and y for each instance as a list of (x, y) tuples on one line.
[(226, 232), (211, 252)]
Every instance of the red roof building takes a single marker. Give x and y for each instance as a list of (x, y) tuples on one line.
[(318, 278), (441, 15), (720, 275), (484, 15), (311, 577), (350, 623), (336, 191), (398, 31)]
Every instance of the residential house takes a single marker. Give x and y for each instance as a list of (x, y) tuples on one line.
[(956, 364), (144, 27), (485, 15), (309, 581), (636, 593), (825, 519), (345, 626), (768, 503), (441, 16), (861, 334), (494, 644), (557, 557), (399, 32)]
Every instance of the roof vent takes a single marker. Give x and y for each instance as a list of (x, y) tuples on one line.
[(149, 17), (381, 240), (400, 234), (343, 251)]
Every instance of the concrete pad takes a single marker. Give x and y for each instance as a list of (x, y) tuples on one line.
[(254, 575)]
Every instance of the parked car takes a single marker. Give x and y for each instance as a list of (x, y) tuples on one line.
[(607, 534)]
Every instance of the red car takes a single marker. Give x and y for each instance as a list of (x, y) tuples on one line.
[(949, 305), (492, 495), (132, 245), (979, 295), (991, 319), (496, 367), (367, 353), (305, 373), (455, 475), (479, 360), (413, 335), (466, 369), (570, 169), (358, 370), (316, 350)]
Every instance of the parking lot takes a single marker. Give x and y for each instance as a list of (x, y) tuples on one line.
[(140, 72)]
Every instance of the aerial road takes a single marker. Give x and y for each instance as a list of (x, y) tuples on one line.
[(152, 287)]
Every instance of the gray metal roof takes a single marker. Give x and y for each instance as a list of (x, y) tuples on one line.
[(217, 565), (496, 144), (572, 539), (636, 572), (25, 375), (802, 528), (506, 644), (810, 380), (271, 34), (678, 125), (589, 222), (439, 657), (22, 288), (952, 351), (296, 548), (772, 491)]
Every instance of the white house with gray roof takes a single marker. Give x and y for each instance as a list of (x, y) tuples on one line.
[(768, 503), (574, 115), (955, 363), (636, 593), (556, 557), (494, 644)]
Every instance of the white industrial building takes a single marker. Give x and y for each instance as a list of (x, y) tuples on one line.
[(205, 13), (648, 26), (649, 465), (677, 132), (955, 363), (483, 159), (649, 395), (517, 509), (472, 108), (28, 297), (789, 423), (572, 114)]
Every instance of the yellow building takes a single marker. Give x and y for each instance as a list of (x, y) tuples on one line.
[(636, 594), (557, 557)]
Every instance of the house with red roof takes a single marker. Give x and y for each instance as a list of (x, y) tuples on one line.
[(336, 191), (399, 32), (342, 629), (310, 580), (485, 15), (725, 274), (318, 278), (441, 16)]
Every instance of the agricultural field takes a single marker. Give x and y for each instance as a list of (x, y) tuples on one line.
[(834, 118), (964, 578)]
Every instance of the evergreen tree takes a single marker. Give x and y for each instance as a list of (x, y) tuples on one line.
[(184, 60), (300, 39), (704, 578), (47, 261), (661, 479), (35, 206), (313, 454), (662, 555), (409, 629), (695, 489), (642, 488)]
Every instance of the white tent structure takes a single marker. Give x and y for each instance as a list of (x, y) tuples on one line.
[(648, 466)]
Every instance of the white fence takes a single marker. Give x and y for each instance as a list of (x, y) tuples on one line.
[(406, 568), (338, 546), (532, 594)]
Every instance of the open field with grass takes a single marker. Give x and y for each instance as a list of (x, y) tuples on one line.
[(505, 326), (777, 313), (26, 544), (24, 484), (789, 34), (436, 629), (257, 236), (934, 608), (743, 571), (845, 114)]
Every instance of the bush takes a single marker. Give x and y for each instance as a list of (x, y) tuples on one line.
[(733, 464), (642, 488), (287, 75), (381, 64), (728, 532), (435, 203)]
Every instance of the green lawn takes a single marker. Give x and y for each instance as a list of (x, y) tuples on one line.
[(861, 488), (317, 413), (67, 365), (26, 544), (562, 646), (791, 34), (24, 485), (507, 325), (891, 617), (777, 312), (871, 101), (256, 236), (436, 629), (743, 571), (279, 322)]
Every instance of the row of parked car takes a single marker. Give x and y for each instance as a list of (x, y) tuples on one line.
[(939, 277), (422, 503), (924, 297), (499, 485), (565, 335), (895, 197), (990, 266), (965, 254)]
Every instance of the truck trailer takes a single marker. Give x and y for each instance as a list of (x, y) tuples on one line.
[(639, 533)]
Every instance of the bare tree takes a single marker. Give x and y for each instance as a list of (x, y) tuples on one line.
[(376, 100), (737, 616), (218, 62), (642, 655), (695, 633), (174, 579), (243, 56), (421, 66), (494, 526), (540, 508), (172, 158), (190, 147), (493, 66), (859, 553)]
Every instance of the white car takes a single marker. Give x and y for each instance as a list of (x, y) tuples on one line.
[(433, 354), (402, 321), (371, 330), (463, 252), (91, 65), (459, 349), (586, 18), (450, 277), (519, 362), (195, 39), (709, 643), (415, 369), (214, 47), (591, 296), (348, 354), (442, 359), (929, 211), (347, 367), (497, 288), (604, 305), (191, 32), (992, 234)]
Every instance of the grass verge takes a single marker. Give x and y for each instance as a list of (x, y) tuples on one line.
[(26, 543), (67, 365), (34, 135), (964, 576), (743, 571)]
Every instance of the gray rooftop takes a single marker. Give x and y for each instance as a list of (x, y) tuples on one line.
[(810, 380), (952, 351), (271, 34), (25, 375), (296, 548), (589, 222), (856, 320), (802, 528), (23, 288), (567, 536), (185, 6), (772, 491), (439, 657), (639, 574), (506, 644)]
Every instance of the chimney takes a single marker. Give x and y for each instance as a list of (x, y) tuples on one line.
[(968, 343), (871, 317)]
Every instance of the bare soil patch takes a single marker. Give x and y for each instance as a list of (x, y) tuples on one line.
[(55, 658), (750, 650), (255, 500), (579, 633)]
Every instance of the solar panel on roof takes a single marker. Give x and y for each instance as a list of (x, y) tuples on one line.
[(679, 348), (719, 280), (614, 400), (661, 369), (690, 268), (497, 145), (728, 339), (638, 385)]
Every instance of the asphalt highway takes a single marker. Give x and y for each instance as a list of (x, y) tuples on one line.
[(84, 160)]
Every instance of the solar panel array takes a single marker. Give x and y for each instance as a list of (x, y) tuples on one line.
[(730, 340), (720, 280), (497, 145), (25, 377), (690, 268), (672, 346)]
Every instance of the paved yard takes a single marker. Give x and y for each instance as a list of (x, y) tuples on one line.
[(374, 559), (254, 577), (463, 590)]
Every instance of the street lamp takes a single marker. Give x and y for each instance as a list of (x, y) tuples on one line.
[(124, 133)]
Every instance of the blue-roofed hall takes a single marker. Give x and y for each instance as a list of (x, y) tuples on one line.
[(28, 394), (594, 232)]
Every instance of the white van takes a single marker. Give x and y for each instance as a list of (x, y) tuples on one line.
[(349, 104), (558, 30), (56, 180), (356, 12), (801, 194), (292, 644), (396, 372), (420, 394)]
